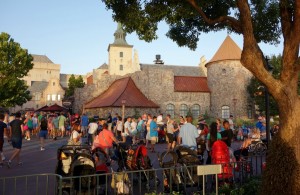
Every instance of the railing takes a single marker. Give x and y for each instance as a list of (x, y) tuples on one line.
[(202, 179)]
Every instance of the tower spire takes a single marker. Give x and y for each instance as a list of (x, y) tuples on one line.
[(120, 35)]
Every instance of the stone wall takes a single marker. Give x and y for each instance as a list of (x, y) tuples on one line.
[(228, 80)]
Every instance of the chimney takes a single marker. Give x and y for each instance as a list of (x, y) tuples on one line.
[(158, 59)]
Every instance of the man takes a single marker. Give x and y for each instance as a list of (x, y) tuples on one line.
[(101, 122), (188, 134), (93, 126), (170, 132), (109, 121), (127, 126), (16, 129), (114, 121), (55, 125), (61, 124), (153, 133), (106, 139), (84, 124), (227, 134), (231, 123), (3, 128)]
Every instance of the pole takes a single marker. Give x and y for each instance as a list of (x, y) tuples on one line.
[(123, 116), (267, 102)]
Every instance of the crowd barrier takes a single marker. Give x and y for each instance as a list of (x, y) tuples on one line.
[(201, 179)]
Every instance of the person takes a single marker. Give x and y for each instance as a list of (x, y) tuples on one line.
[(243, 150), (153, 133), (219, 123), (188, 134), (114, 122), (50, 125), (140, 129), (212, 137), (106, 139), (84, 124), (75, 120), (3, 128), (61, 124), (127, 126), (35, 123), (76, 134), (16, 129), (255, 135), (43, 132), (231, 123), (29, 124), (170, 132), (133, 126), (227, 134), (55, 124), (148, 138), (259, 123), (92, 129), (109, 121), (119, 125)]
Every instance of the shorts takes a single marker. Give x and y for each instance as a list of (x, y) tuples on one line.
[(43, 134), (1, 145), (62, 128), (153, 140), (16, 142), (34, 126), (170, 137), (84, 128), (148, 136)]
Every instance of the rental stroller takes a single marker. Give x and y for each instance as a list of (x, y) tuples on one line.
[(136, 158), (76, 161)]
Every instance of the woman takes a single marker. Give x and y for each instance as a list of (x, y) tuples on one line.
[(153, 133), (35, 124), (43, 132), (244, 149), (28, 122), (219, 123), (133, 132), (212, 136), (75, 138), (148, 138)]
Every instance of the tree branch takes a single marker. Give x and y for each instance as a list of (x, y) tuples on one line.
[(286, 20), (230, 21)]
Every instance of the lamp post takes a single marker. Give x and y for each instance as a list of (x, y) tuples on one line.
[(123, 113), (269, 68), (234, 107)]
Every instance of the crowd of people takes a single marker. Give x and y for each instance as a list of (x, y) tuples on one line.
[(103, 132)]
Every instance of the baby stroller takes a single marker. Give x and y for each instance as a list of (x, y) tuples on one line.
[(220, 155), (136, 158), (75, 161), (188, 157), (171, 175)]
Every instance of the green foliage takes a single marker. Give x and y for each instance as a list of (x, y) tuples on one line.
[(73, 84), (256, 89), (15, 63), (186, 24)]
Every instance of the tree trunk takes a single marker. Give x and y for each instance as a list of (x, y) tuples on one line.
[(282, 174)]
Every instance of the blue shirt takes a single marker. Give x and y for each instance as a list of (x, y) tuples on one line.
[(153, 129), (84, 121), (188, 134)]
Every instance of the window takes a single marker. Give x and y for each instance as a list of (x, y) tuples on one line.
[(58, 97), (225, 112), (53, 97), (121, 54), (48, 97), (37, 97), (196, 110), (170, 110), (121, 67), (183, 110), (53, 84), (249, 111)]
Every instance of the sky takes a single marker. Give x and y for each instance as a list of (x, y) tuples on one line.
[(76, 34)]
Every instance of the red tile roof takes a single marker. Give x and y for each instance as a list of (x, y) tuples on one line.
[(122, 89), (229, 50), (190, 84)]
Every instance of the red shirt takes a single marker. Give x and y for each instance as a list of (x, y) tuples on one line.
[(105, 138)]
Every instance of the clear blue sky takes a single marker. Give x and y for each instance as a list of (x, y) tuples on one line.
[(76, 34)]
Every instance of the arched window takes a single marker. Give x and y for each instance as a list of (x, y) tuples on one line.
[(170, 110), (183, 110), (225, 112), (121, 67), (249, 111), (196, 110)]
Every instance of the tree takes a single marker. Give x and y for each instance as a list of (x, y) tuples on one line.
[(15, 62), (257, 21), (73, 84)]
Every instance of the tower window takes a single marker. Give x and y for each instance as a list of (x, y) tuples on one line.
[(121, 67), (121, 54), (225, 112)]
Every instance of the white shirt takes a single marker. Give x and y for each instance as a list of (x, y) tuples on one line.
[(93, 128), (127, 126), (119, 125), (160, 120), (133, 125), (231, 124)]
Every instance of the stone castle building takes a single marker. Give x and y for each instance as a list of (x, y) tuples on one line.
[(217, 87)]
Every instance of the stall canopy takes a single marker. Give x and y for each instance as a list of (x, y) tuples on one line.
[(53, 108)]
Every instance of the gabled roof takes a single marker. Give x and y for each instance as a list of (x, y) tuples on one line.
[(122, 89), (190, 84), (41, 58), (38, 86), (103, 66), (228, 50)]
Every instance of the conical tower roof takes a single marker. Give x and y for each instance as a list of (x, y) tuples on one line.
[(229, 50), (120, 36)]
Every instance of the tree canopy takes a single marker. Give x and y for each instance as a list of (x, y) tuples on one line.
[(73, 84), (15, 62)]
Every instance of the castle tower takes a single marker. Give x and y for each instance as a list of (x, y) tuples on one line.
[(228, 81), (120, 55)]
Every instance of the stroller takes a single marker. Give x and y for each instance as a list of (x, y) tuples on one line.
[(76, 161), (187, 158), (173, 180), (220, 155), (136, 158)]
